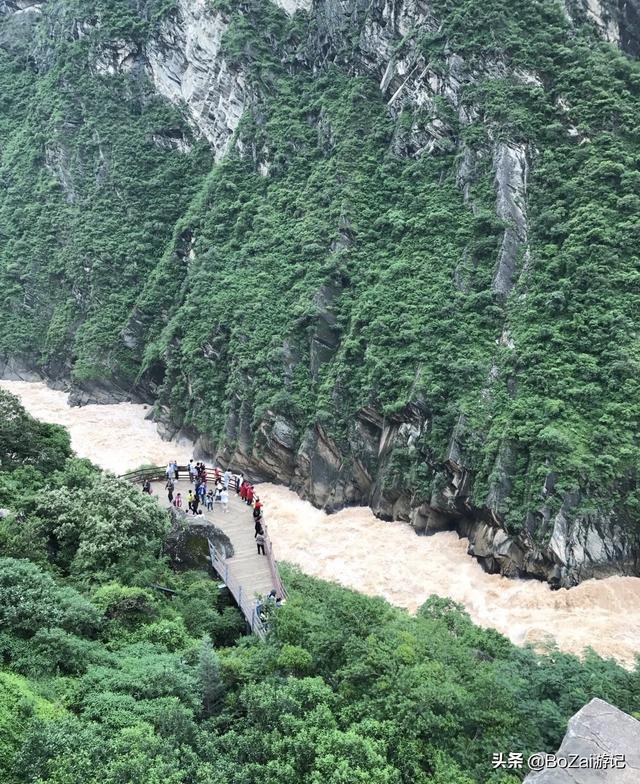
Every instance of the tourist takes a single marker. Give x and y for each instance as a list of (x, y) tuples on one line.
[(201, 491), (257, 510), (146, 487), (170, 488), (177, 501), (192, 471), (260, 543), (248, 496), (224, 498), (226, 479), (209, 500), (175, 470), (239, 481), (258, 528), (169, 471)]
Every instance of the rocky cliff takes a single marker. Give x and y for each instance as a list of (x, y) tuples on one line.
[(383, 252), (604, 734)]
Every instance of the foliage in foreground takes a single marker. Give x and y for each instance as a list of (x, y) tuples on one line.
[(105, 681)]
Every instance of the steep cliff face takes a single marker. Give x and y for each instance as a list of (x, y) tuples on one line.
[(618, 21), (409, 281), (188, 67)]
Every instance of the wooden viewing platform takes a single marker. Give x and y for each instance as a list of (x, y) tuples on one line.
[(247, 575)]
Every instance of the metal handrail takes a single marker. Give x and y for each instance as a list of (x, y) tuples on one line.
[(158, 473), (218, 561), (249, 607), (273, 568)]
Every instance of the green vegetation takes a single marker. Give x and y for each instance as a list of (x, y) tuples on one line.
[(89, 195), (125, 260), (103, 680)]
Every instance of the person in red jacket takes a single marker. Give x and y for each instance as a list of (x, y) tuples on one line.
[(249, 495), (243, 490)]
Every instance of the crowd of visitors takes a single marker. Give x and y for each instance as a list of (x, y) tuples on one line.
[(209, 488)]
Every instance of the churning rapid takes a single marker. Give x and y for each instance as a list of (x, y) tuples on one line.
[(359, 551)]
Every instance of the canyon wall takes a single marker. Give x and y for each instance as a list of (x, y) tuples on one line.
[(356, 251)]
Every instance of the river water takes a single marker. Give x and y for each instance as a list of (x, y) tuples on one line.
[(359, 551)]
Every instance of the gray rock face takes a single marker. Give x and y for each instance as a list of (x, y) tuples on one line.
[(12, 369), (511, 168), (291, 6), (596, 730), (19, 18), (618, 21), (21, 6), (119, 57), (187, 67)]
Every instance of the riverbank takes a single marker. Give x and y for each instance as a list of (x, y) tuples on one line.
[(359, 551)]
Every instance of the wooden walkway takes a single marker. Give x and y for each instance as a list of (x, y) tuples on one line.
[(248, 576)]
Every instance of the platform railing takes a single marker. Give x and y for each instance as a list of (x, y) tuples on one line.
[(247, 604)]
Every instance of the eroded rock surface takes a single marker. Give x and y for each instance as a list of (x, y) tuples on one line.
[(188, 67), (596, 731)]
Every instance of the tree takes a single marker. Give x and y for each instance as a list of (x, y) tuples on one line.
[(209, 678)]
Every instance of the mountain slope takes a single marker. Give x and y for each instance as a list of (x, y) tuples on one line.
[(385, 252)]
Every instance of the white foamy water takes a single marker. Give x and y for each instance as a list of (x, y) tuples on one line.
[(359, 551), (115, 437)]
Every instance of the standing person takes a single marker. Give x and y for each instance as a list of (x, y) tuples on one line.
[(258, 528), (177, 501), (192, 471), (190, 497), (249, 495), (170, 488), (226, 479), (224, 498), (196, 504), (260, 544), (209, 500), (169, 471), (239, 481), (175, 470), (201, 491), (146, 487)]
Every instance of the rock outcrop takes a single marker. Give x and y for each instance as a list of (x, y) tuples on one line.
[(618, 21), (291, 6), (511, 168), (597, 732), (188, 67), (187, 545)]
